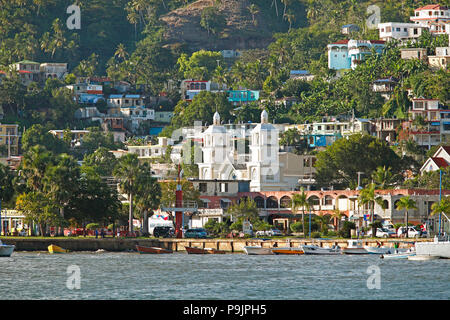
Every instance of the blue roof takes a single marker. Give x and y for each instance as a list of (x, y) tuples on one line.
[(299, 72), (155, 131), (133, 96), (350, 25), (116, 96)]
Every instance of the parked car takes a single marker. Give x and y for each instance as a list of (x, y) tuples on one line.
[(163, 231), (382, 233), (412, 232), (270, 233), (196, 233)]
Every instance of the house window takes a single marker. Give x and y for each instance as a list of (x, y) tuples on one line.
[(202, 187), (388, 29), (397, 29), (415, 31), (224, 187)]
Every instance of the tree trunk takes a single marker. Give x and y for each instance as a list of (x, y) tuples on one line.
[(130, 216), (145, 229), (406, 223), (303, 222)]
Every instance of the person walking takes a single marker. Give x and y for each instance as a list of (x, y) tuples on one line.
[(96, 234)]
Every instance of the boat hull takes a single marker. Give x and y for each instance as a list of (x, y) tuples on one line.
[(316, 250), (55, 249), (257, 250), (440, 249), (192, 250), (378, 250), (152, 250), (6, 250), (397, 255), (354, 251), (288, 251)]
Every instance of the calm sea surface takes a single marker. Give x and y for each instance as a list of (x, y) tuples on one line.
[(180, 276)]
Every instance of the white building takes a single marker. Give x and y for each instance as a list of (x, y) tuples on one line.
[(54, 70), (400, 30), (434, 16), (440, 159)]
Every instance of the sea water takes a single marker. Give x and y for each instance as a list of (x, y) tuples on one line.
[(179, 276)]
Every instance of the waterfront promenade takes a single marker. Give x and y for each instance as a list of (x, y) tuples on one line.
[(228, 245)]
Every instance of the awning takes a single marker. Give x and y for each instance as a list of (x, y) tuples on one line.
[(205, 200), (225, 200)]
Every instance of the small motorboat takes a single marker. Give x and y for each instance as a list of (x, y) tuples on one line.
[(354, 247), (288, 250), (257, 250), (313, 249), (55, 249), (152, 250), (193, 250), (378, 250), (6, 250), (399, 254)]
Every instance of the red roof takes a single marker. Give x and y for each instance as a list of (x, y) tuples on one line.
[(432, 7), (345, 41), (440, 162), (24, 71), (377, 41), (446, 148)]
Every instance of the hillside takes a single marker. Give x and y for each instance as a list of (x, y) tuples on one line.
[(242, 30)]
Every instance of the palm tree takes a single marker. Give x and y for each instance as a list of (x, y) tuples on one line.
[(254, 10), (406, 203), (383, 177), (369, 197), (338, 214), (121, 52), (127, 172), (301, 201), (442, 206)]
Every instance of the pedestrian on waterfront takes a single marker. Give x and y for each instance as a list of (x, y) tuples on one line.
[(96, 234), (102, 233)]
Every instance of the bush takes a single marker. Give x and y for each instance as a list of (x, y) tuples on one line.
[(345, 231), (315, 235), (296, 226)]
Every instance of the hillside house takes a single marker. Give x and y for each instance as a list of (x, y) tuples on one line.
[(433, 16), (440, 159)]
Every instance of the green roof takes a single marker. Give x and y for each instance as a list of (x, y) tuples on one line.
[(27, 62)]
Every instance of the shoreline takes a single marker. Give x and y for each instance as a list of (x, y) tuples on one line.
[(228, 245)]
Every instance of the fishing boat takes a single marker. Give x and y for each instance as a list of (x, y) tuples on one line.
[(152, 250), (55, 249), (313, 249), (354, 247), (6, 250), (193, 250), (257, 250), (288, 250), (378, 250), (423, 257)]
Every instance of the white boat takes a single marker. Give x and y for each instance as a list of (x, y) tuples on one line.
[(6, 249), (436, 248), (378, 250), (423, 257), (313, 249), (354, 247), (399, 254), (257, 250)]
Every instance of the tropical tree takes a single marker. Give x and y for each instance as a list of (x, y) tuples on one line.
[(406, 203), (383, 178), (441, 207), (300, 200), (368, 196), (338, 214), (127, 172), (148, 194)]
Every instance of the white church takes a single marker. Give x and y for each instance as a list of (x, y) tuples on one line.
[(225, 157)]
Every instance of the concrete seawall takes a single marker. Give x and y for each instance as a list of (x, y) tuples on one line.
[(229, 245)]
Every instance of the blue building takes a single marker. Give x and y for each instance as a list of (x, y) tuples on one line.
[(239, 97), (347, 54)]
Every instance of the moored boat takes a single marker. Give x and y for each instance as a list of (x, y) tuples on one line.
[(288, 250), (193, 250), (399, 254), (354, 247), (435, 248), (56, 249), (6, 250), (313, 249), (152, 250), (257, 250), (423, 257), (378, 250)]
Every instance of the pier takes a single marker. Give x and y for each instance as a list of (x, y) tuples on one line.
[(228, 245)]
